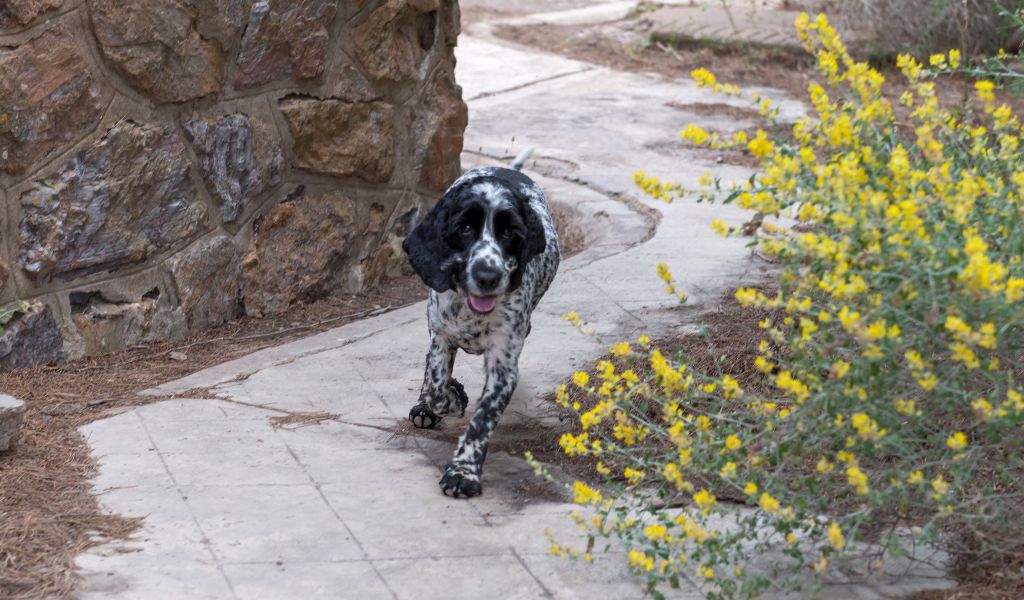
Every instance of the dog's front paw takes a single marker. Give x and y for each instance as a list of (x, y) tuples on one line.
[(452, 400), (422, 417), (460, 481), (457, 398)]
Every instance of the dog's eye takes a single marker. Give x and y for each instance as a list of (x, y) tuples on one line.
[(466, 230), (507, 234)]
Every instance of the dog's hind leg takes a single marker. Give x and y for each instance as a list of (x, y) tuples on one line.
[(462, 475), (440, 394)]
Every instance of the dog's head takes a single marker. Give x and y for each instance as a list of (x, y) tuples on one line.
[(479, 237)]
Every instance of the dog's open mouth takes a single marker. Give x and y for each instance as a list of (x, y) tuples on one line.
[(482, 304)]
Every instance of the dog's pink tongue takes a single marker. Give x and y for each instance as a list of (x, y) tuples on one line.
[(483, 304)]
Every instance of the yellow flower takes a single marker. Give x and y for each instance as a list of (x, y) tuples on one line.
[(640, 561), (620, 349), (728, 471), (633, 476), (597, 414), (858, 480), (957, 441), (839, 369), (954, 59), (643, 340), (733, 443), (985, 90), (835, 537), (750, 489), (695, 134), (867, 428), (580, 378), (824, 466), (915, 478), (584, 494), (927, 382), (730, 387), (768, 504), (705, 500), (575, 445), (655, 533), (673, 475), (703, 77), (760, 146)]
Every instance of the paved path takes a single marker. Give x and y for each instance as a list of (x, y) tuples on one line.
[(347, 509)]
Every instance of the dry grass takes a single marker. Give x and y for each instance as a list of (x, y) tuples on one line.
[(47, 515), (928, 26), (294, 420)]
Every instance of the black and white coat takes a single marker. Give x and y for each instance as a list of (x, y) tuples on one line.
[(488, 251)]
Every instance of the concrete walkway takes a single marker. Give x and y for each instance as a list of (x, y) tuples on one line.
[(235, 508)]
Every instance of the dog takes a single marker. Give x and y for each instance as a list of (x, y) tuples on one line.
[(488, 251)]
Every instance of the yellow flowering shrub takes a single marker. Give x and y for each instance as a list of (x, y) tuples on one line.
[(894, 371)]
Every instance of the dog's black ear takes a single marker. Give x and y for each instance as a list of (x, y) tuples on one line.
[(535, 242), (427, 245)]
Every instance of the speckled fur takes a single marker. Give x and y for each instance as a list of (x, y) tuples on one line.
[(498, 335)]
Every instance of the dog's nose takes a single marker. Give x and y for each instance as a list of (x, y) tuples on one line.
[(486, 277)]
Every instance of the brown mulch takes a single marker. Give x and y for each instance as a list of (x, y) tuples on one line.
[(48, 515), (571, 235), (604, 45), (986, 590)]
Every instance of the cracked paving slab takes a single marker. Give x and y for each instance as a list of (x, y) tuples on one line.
[(349, 508)]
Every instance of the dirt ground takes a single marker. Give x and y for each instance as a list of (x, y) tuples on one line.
[(47, 513)]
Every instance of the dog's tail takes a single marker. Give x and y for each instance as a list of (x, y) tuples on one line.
[(521, 158)]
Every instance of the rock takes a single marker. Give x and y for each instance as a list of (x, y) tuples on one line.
[(299, 252), (155, 45), (207, 280), (395, 40), (334, 137), (177, 356), (438, 128), (48, 99), (221, 20), (116, 203), (5, 273), (107, 324), (31, 339), (239, 159), (21, 12), (285, 39), (12, 412), (349, 84)]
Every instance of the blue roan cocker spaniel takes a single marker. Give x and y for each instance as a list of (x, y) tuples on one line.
[(488, 250)]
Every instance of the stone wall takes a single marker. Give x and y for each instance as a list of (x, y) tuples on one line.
[(167, 165)]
